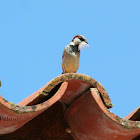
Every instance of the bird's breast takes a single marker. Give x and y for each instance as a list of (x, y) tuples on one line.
[(70, 62)]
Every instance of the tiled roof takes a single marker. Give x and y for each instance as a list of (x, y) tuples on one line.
[(134, 115), (71, 106)]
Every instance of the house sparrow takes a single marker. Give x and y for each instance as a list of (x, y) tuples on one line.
[(71, 54)]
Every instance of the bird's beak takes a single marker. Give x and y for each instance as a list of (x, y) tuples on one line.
[(82, 45)]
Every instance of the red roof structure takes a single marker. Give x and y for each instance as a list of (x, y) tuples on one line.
[(70, 107)]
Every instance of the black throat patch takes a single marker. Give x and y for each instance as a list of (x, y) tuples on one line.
[(74, 48)]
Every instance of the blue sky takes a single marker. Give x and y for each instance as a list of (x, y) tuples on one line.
[(34, 33)]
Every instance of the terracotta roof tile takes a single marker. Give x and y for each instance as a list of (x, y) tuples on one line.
[(75, 103)]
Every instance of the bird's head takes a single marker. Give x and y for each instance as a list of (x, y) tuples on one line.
[(80, 41)]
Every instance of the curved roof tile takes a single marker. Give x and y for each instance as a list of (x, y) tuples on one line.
[(85, 106)]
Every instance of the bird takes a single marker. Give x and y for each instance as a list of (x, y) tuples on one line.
[(71, 54)]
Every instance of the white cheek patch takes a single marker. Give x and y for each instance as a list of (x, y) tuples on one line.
[(76, 40), (83, 45)]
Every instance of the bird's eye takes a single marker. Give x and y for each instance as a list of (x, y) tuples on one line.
[(82, 39)]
